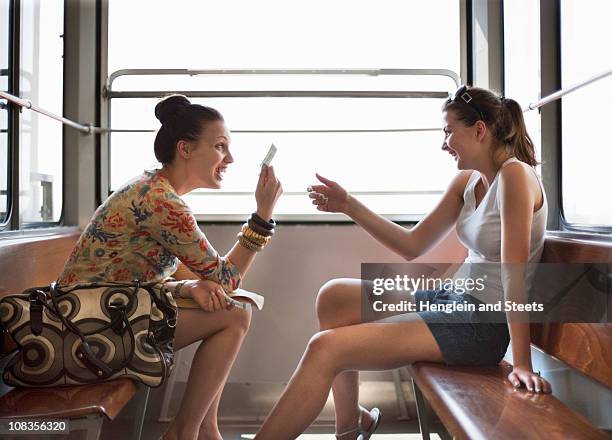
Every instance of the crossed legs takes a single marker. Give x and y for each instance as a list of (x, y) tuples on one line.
[(334, 355), (221, 334)]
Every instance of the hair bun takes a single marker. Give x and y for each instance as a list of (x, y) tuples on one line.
[(169, 107)]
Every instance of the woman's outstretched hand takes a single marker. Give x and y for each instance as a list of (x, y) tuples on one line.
[(269, 189), (209, 295), (532, 381), (329, 197)]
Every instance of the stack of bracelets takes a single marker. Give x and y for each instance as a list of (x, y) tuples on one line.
[(256, 233)]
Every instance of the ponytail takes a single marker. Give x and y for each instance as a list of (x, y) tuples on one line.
[(511, 131)]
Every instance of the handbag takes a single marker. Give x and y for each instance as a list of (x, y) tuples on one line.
[(89, 333)]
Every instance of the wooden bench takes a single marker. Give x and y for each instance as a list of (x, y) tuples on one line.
[(27, 263), (480, 402)]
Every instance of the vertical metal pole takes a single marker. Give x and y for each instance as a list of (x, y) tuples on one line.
[(550, 72), (421, 411), (14, 112), (401, 398), (141, 412)]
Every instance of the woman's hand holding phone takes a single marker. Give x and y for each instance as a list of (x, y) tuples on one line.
[(269, 189)]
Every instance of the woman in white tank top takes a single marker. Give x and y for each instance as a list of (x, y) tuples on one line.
[(498, 206)]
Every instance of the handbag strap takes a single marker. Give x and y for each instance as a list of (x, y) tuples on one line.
[(84, 351)]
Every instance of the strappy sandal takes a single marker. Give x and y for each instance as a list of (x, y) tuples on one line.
[(376, 416), (364, 435), (350, 431)]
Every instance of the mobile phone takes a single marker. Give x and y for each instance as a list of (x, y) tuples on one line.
[(268, 159)]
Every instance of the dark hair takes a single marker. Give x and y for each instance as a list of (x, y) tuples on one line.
[(181, 120), (503, 116)]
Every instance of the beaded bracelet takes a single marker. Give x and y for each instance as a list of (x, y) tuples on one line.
[(255, 241), (254, 236), (248, 243)]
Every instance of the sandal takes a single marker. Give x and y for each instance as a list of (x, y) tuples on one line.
[(364, 435), (350, 431), (376, 416)]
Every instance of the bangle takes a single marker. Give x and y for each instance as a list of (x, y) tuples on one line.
[(248, 243), (176, 292), (254, 236), (269, 225), (259, 229)]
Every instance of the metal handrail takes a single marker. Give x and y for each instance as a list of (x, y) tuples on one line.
[(279, 94), (560, 93), (381, 130), (88, 129), (110, 93), (352, 72), (300, 193)]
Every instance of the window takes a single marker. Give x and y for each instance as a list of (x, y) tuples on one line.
[(386, 150), (41, 62), (4, 66), (522, 48), (586, 146)]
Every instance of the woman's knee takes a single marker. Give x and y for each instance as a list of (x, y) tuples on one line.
[(321, 350), (319, 343), (328, 296), (239, 320)]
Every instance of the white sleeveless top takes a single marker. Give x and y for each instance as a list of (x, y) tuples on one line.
[(479, 229)]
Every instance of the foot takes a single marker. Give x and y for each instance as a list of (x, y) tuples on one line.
[(351, 434), (178, 431), (209, 433), (366, 419)]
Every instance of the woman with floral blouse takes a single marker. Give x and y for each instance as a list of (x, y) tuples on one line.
[(143, 229)]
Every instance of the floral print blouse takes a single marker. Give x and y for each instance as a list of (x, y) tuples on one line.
[(139, 233)]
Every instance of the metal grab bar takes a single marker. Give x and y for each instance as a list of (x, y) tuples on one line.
[(363, 72), (279, 94), (88, 129), (301, 193), (559, 94), (380, 130)]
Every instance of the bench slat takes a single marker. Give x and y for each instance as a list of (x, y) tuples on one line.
[(480, 403), (107, 398)]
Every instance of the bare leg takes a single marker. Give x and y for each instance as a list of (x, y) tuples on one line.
[(209, 429), (222, 334), (389, 345), (339, 305)]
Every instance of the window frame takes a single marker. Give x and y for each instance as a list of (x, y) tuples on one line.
[(110, 94), (12, 226), (565, 224)]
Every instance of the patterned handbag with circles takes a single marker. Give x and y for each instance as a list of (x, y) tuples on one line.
[(90, 333)]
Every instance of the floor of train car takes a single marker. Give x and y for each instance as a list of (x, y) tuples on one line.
[(244, 406), (253, 410)]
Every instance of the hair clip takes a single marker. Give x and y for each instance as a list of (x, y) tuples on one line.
[(466, 97)]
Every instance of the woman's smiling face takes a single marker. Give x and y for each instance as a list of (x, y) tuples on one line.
[(210, 156), (459, 141)]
